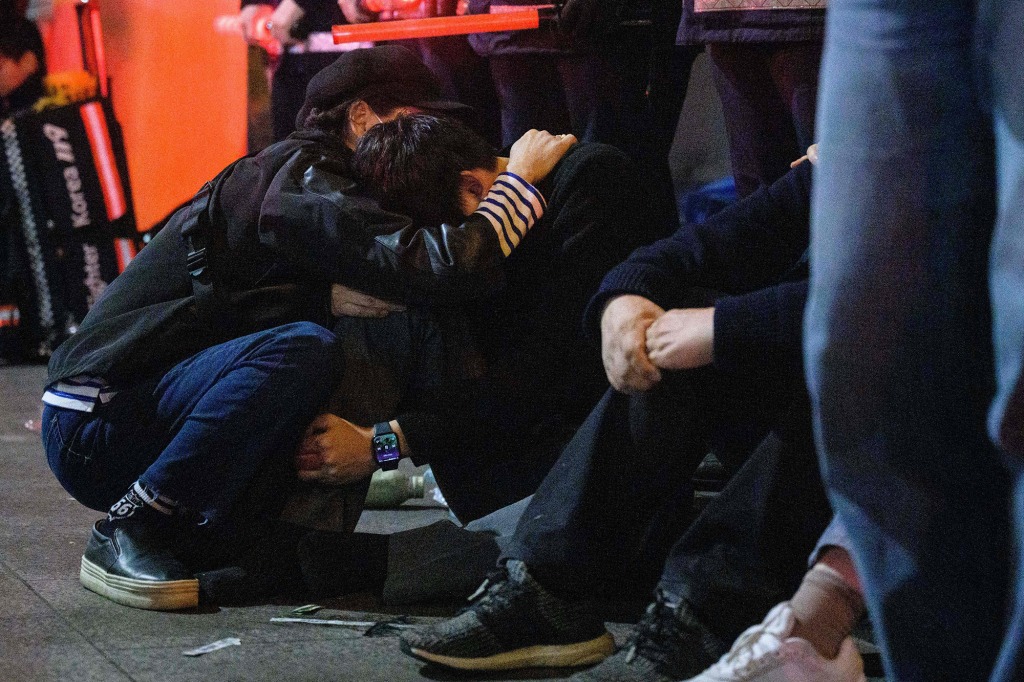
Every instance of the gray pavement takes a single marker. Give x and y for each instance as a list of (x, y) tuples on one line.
[(53, 629)]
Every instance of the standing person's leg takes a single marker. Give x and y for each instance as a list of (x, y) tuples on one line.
[(530, 94), (794, 68), (897, 332), (629, 95), (465, 77), (288, 88), (598, 96), (1002, 29), (762, 140)]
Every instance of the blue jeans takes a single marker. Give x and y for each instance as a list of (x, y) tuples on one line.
[(202, 432), (899, 334)]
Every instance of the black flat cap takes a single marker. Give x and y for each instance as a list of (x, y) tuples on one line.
[(388, 70)]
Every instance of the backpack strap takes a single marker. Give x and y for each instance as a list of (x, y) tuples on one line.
[(197, 230)]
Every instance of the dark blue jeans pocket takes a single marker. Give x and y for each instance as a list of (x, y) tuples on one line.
[(71, 455)]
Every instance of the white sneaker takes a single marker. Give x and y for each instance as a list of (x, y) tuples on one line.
[(766, 653)]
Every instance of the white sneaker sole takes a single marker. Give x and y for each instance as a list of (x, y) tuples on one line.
[(546, 656), (140, 594)]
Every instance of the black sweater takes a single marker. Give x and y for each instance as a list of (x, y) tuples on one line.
[(754, 253)]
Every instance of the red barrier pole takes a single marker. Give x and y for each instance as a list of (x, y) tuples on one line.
[(436, 26)]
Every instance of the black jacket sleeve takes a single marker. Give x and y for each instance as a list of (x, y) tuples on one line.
[(760, 335), (314, 217), (748, 246)]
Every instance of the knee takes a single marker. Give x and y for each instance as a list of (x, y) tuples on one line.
[(306, 335), (312, 349)]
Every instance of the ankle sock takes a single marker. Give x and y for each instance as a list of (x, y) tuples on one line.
[(826, 610), (141, 497)]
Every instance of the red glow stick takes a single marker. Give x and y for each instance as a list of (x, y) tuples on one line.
[(94, 60), (436, 26)]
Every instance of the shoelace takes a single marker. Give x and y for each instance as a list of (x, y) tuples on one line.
[(483, 593), (748, 654), (660, 623)]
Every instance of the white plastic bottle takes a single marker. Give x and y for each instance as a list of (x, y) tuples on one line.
[(389, 489)]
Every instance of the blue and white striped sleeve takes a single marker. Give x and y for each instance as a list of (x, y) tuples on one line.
[(512, 206)]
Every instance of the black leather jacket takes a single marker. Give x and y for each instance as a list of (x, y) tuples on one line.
[(294, 221)]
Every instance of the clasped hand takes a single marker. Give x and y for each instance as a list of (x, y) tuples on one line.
[(335, 451), (639, 339)]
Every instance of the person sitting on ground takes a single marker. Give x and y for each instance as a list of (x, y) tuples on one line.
[(701, 338), (178, 404), (518, 376), (539, 377)]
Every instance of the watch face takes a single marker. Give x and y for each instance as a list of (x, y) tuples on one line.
[(385, 448)]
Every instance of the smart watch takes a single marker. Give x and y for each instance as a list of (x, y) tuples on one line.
[(385, 446)]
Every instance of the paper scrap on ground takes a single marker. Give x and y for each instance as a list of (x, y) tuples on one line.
[(213, 646), (308, 608), (323, 621), (376, 628)]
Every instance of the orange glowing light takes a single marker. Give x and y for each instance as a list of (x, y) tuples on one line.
[(389, 5), (436, 26)]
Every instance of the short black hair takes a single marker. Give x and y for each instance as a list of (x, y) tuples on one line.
[(412, 165), (18, 35)]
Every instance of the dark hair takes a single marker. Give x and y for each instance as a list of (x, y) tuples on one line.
[(18, 36), (412, 165), (335, 119)]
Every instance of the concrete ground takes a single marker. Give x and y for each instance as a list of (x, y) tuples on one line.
[(51, 628)]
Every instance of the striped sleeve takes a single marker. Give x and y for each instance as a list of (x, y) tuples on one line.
[(512, 206), (79, 393)]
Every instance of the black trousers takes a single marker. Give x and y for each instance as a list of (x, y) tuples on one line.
[(627, 94), (464, 78), (618, 500)]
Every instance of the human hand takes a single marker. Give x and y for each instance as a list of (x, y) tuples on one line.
[(534, 154), (683, 338), (247, 18), (624, 326), (811, 155), (356, 12), (284, 18), (335, 451), (352, 303)]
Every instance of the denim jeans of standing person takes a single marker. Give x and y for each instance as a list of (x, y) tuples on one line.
[(1002, 43), (899, 332), (205, 430)]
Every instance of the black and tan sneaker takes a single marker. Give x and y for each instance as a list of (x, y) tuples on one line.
[(134, 563), (512, 622), (668, 644)]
